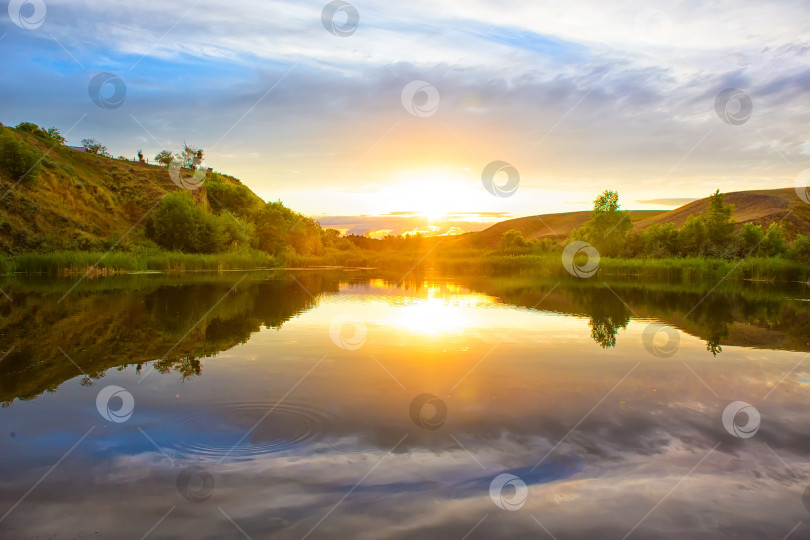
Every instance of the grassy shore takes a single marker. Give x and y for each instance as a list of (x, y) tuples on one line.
[(67, 263), (468, 261), (463, 261)]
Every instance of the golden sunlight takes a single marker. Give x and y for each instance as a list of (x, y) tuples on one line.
[(444, 311)]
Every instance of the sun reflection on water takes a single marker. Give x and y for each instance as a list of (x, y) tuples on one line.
[(444, 310)]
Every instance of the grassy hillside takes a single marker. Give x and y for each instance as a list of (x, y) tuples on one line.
[(78, 200), (759, 207), (552, 226)]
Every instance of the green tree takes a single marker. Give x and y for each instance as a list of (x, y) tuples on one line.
[(92, 146), (719, 223), (660, 240), (192, 157), (608, 227), (19, 160), (178, 224), (800, 250), (278, 227), (774, 243), (513, 239), (693, 236), (237, 199), (55, 135), (750, 238), (164, 157), (51, 135)]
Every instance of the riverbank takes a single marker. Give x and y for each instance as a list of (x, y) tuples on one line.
[(460, 261)]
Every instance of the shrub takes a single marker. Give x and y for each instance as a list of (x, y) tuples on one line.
[(774, 244), (19, 160), (800, 250), (178, 224), (512, 239), (51, 135), (750, 238)]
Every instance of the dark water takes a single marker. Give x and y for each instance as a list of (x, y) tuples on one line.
[(349, 405)]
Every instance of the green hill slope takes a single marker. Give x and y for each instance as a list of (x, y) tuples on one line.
[(79, 200), (553, 226), (760, 207)]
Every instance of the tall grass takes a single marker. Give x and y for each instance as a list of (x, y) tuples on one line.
[(462, 261), (467, 261), (78, 262)]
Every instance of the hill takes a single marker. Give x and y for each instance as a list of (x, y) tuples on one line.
[(79, 200), (760, 207), (552, 226)]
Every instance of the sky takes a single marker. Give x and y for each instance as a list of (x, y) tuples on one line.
[(441, 116)]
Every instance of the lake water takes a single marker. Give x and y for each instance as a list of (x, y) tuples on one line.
[(337, 404)]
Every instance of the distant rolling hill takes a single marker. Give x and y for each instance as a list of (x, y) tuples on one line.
[(553, 226), (760, 207)]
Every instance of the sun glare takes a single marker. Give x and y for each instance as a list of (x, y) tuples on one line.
[(439, 313)]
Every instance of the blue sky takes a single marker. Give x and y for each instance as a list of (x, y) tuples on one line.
[(578, 97)]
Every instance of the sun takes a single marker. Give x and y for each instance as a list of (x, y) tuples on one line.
[(433, 206), (434, 214)]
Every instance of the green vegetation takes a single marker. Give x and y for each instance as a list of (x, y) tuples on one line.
[(103, 263), (19, 160), (94, 147), (85, 205), (607, 229), (73, 207)]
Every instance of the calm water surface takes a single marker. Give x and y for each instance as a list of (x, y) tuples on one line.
[(352, 405)]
